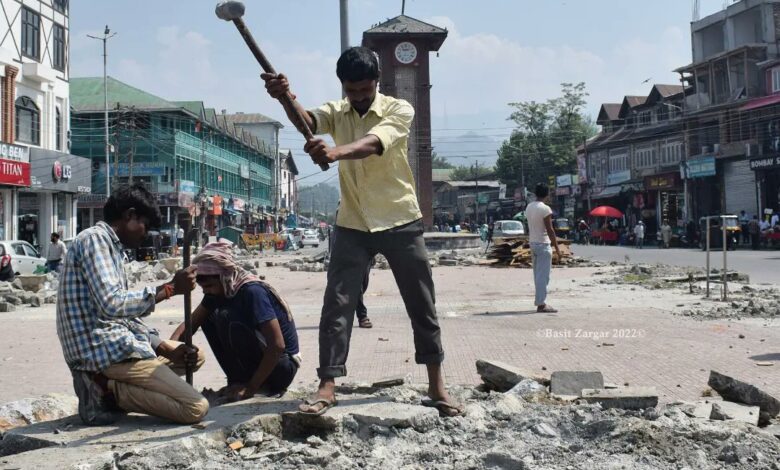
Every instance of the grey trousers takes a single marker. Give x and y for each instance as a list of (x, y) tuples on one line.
[(404, 249), (541, 255)]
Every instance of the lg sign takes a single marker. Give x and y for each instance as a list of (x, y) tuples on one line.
[(61, 172)]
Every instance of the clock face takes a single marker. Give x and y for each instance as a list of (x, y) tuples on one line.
[(405, 52)]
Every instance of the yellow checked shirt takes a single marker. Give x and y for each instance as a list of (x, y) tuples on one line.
[(377, 192)]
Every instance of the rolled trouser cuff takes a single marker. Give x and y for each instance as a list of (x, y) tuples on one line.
[(331, 372), (436, 358)]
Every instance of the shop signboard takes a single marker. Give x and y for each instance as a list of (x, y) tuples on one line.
[(140, 169), (618, 177), (239, 204), (14, 173), (582, 169), (667, 181), (562, 191), (699, 167), (765, 163), (15, 153), (563, 180)]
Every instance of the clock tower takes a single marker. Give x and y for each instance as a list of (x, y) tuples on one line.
[(403, 45)]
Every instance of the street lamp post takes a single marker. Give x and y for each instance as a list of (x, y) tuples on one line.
[(105, 39)]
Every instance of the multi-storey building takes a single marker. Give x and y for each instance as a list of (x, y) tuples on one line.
[(39, 179), (192, 157)]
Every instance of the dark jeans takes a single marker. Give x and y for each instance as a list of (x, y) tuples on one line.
[(53, 265), (239, 350), (404, 249)]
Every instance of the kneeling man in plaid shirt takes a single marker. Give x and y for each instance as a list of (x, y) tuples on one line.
[(119, 364)]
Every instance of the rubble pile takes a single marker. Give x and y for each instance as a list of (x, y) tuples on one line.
[(319, 261), (517, 252), (513, 420), (743, 302), (28, 290)]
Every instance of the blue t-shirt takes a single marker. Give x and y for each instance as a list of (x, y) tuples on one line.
[(253, 305)]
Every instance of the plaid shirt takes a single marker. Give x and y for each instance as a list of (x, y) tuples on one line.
[(98, 319)]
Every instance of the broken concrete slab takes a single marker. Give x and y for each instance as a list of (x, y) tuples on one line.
[(773, 429), (735, 390), (502, 377), (396, 415), (728, 411), (73, 441), (573, 382), (700, 409), (529, 390), (36, 410), (295, 424), (630, 398)]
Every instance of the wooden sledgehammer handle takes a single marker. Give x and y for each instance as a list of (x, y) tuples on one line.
[(286, 101), (191, 234)]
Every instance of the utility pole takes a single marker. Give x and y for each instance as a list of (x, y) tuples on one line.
[(344, 17), (476, 187), (132, 145), (105, 39)]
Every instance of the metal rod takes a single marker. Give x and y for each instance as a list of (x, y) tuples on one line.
[(188, 301), (708, 257), (725, 263)]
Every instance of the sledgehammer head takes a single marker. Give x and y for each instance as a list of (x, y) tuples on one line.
[(229, 11)]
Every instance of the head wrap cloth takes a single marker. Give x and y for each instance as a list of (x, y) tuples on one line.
[(217, 259)]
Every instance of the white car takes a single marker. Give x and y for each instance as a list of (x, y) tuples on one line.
[(504, 229), (310, 238), (24, 258)]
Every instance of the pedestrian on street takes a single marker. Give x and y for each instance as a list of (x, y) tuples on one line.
[(118, 363), (361, 311), (541, 237), (666, 233), (379, 214), (754, 228), (744, 221), (775, 220), (247, 324), (56, 253), (639, 234)]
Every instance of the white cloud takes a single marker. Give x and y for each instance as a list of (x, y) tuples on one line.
[(480, 73)]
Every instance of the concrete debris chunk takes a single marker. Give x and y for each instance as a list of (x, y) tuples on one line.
[(728, 411), (528, 389), (501, 376), (630, 398), (396, 415), (35, 410), (737, 391), (573, 382)]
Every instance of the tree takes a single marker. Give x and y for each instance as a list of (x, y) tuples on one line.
[(462, 172), (546, 138), (440, 163)]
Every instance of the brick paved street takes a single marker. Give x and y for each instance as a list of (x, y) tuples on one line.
[(485, 313)]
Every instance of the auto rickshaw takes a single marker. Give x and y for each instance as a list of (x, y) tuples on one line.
[(562, 228), (733, 232), (150, 247)]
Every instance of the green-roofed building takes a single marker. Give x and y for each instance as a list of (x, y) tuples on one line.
[(178, 149)]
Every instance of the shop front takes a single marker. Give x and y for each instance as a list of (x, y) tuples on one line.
[(14, 175), (703, 186), (666, 201), (767, 175), (50, 203)]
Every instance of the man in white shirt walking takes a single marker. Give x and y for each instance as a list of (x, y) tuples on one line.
[(56, 253), (639, 234), (542, 240)]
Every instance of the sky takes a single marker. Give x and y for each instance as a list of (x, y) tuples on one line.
[(496, 52)]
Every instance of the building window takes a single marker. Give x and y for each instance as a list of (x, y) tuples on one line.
[(775, 79), (58, 130), (618, 163), (671, 153), (645, 118), (61, 5), (28, 121), (644, 157), (31, 34), (58, 54)]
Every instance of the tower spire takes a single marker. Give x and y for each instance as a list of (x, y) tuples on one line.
[(403, 7)]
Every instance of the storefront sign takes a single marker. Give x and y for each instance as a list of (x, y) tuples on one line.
[(699, 167), (582, 169), (16, 153), (668, 181), (61, 172), (14, 173), (562, 191), (186, 186), (563, 180), (238, 204), (618, 177), (140, 169), (243, 170), (766, 163)]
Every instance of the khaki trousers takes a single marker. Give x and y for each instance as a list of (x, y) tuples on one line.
[(153, 386)]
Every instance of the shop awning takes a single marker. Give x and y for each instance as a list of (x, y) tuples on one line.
[(761, 102), (609, 191)]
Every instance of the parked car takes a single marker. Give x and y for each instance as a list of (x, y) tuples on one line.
[(310, 238), (503, 229), (24, 259), (297, 236)]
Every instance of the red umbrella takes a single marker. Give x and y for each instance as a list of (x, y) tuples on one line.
[(606, 211)]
